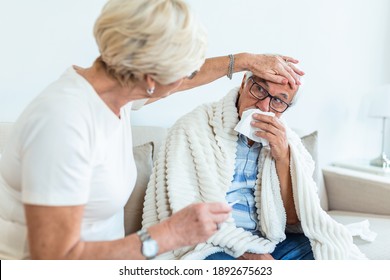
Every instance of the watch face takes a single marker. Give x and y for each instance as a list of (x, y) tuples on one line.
[(149, 248)]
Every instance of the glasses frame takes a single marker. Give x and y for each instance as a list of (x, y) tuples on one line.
[(271, 97)]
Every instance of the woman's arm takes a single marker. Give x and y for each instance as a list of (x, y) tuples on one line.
[(54, 232), (275, 68)]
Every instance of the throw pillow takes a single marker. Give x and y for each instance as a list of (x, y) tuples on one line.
[(310, 143), (143, 157)]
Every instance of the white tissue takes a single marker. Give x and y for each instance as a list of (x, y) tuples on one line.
[(244, 125)]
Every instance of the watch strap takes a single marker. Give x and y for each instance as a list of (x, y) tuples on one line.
[(143, 235), (147, 240)]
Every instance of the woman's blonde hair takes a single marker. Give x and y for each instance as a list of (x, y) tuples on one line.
[(156, 37)]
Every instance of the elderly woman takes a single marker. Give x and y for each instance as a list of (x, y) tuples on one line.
[(68, 169)]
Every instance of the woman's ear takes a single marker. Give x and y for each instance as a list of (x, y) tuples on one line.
[(150, 83)]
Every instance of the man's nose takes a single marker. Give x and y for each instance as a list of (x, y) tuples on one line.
[(263, 105)]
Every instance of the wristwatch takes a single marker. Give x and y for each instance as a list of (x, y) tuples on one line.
[(149, 246)]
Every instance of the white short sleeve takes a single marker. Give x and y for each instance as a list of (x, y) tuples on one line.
[(56, 162)]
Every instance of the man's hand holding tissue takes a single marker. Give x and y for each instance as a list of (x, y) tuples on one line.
[(274, 131)]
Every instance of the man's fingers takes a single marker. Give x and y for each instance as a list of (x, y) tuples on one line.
[(260, 119)]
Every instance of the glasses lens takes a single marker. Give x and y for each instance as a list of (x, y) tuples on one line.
[(278, 105), (258, 91)]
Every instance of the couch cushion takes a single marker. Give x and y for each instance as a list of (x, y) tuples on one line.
[(144, 134), (133, 209), (379, 249), (146, 142)]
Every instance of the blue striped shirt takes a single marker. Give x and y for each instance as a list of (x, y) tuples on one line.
[(243, 185)]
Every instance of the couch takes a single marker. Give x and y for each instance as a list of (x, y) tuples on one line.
[(344, 204)]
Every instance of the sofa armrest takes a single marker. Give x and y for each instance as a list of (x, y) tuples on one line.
[(357, 191)]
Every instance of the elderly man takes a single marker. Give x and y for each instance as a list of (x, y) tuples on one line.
[(276, 212)]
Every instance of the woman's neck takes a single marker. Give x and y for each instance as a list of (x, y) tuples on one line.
[(109, 89)]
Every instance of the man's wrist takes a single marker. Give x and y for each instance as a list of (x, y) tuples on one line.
[(285, 160)]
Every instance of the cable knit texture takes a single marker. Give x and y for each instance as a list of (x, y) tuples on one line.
[(196, 164)]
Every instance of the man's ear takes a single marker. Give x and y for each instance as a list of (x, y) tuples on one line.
[(242, 84)]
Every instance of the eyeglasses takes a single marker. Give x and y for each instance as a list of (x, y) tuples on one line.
[(258, 92)]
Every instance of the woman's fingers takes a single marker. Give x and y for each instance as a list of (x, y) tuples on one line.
[(219, 211), (288, 72), (197, 222), (289, 59), (275, 78), (219, 207), (296, 69), (278, 69)]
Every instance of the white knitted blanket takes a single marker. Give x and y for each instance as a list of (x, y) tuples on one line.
[(196, 164)]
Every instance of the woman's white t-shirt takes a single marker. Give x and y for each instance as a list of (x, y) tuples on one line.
[(67, 148)]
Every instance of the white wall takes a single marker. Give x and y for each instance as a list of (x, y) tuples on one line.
[(342, 45), (39, 40)]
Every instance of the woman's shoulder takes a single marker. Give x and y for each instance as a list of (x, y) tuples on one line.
[(61, 107)]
